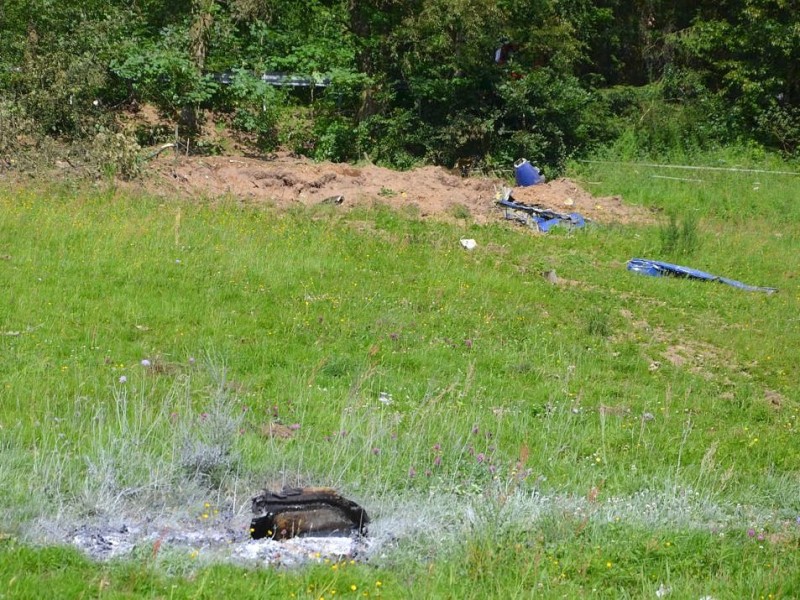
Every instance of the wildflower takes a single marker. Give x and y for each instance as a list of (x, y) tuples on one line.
[(480, 458), (437, 447), (751, 533), (354, 587), (378, 583), (475, 430), (123, 379), (191, 360), (437, 461), (412, 472), (145, 362), (608, 565), (376, 451), (294, 426)]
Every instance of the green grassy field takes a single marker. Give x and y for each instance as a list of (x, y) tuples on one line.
[(609, 436)]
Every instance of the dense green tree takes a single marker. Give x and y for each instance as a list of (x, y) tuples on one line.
[(748, 52), (411, 80)]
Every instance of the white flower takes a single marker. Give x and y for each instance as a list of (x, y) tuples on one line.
[(123, 379), (145, 362)]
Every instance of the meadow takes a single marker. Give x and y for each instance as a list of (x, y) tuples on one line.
[(610, 435)]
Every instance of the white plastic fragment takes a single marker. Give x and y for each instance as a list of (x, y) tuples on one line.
[(469, 244)]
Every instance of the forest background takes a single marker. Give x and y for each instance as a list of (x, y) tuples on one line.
[(405, 81)]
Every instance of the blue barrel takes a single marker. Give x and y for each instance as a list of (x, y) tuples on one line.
[(526, 174)]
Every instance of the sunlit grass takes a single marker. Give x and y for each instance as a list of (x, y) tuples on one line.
[(148, 346)]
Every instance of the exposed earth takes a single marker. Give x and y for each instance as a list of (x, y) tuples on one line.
[(285, 180)]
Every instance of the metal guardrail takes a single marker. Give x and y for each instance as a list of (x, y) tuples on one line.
[(279, 80)]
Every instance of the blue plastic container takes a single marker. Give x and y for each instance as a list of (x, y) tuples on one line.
[(526, 174)]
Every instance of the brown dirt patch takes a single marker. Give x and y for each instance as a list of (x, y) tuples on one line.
[(286, 180)]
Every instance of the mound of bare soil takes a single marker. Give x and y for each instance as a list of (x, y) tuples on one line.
[(285, 180)]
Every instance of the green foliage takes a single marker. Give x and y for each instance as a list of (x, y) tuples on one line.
[(663, 79), (164, 74), (116, 155), (680, 237), (545, 115), (676, 117), (743, 55), (256, 108)]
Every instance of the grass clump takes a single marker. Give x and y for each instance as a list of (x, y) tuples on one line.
[(680, 237)]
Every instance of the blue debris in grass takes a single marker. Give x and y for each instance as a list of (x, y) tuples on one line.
[(542, 218), (656, 268)]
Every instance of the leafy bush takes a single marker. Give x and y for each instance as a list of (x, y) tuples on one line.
[(165, 76), (256, 108), (116, 154)]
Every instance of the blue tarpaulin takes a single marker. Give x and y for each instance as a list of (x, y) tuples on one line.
[(656, 268), (544, 219)]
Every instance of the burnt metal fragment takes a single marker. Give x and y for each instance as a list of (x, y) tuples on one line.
[(305, 512)]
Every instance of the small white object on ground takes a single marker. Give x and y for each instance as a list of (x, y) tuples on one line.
[(469, 244)]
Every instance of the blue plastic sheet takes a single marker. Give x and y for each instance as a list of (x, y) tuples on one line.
[(544, 219), (656, 268)]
